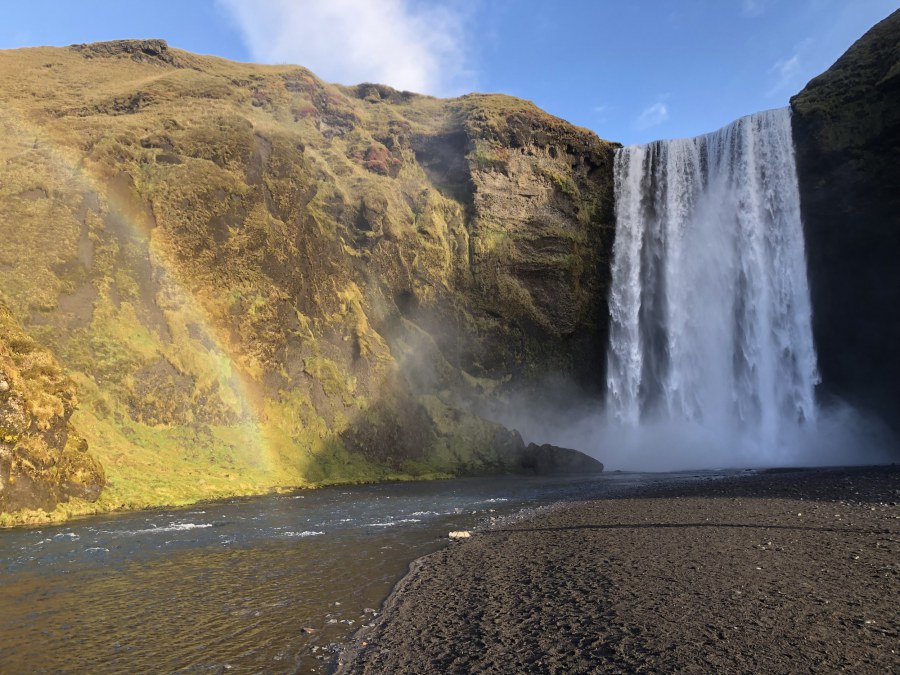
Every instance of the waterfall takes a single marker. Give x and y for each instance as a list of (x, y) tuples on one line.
[(710, 310)]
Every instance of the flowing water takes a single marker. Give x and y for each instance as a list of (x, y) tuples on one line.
[(264, 584), (710, 311)]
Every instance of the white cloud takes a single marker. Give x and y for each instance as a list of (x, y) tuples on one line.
[(418, 48), (787, 73), (752, 7), (652, 116)]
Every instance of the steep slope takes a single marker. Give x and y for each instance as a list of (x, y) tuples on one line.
[(257, 279), (846, 125), (42, 461)]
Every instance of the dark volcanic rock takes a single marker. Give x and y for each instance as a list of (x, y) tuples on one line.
[(846, 126), (541, 239), (147, 51), (551, 459)]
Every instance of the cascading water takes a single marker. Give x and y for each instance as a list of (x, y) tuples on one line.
[(710, 310)]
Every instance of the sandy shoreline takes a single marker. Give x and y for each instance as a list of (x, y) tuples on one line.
[(775, 572)]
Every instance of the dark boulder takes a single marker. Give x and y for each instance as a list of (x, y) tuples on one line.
[(549, 459)]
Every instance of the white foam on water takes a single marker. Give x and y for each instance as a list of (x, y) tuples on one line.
[(305, 533)]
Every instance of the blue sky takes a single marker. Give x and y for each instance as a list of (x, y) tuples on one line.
[(631, 70)]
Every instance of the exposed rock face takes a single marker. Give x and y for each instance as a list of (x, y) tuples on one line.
[(138, 50), (846, 126), (551, 460), (260, 279), (541, 238), (42, 460)]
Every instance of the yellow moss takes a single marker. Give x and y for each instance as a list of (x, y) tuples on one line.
[(562, 182), (330, 376)]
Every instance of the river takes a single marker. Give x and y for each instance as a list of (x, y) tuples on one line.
[(265, 584)]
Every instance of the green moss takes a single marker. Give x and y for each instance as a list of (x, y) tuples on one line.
[(420, 470), (334, 382), (464, 443), (487, 158), (562, 182), (152, 466)]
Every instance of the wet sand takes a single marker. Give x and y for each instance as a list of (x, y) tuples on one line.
[(790, 571)]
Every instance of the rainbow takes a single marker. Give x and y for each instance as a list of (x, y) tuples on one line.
[(128, 210)]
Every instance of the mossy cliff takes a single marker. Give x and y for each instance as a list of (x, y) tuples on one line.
[(42, 461), (257, 280), (846, 125)]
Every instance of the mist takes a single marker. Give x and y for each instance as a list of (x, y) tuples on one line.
[(840, 436), (711, 361)]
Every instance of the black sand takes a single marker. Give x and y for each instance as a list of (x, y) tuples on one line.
[(793, 571)]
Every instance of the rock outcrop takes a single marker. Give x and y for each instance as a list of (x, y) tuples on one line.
[(846, 126), (146, 51), (548, 460)]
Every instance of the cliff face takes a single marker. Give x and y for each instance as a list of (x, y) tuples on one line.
[(42, 461), (259, 279), (846, 126)]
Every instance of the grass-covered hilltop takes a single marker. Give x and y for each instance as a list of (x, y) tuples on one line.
[(220, 278), (254, 279)]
